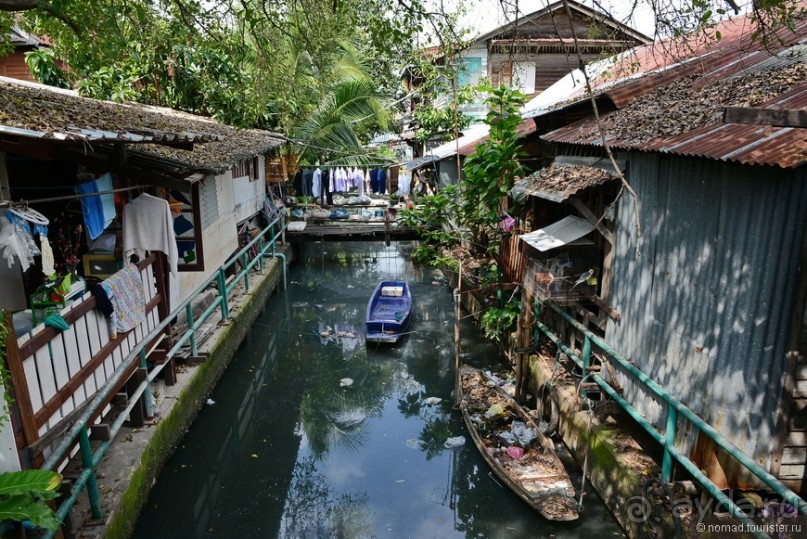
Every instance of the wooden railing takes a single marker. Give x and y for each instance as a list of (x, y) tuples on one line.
[(54, 373)]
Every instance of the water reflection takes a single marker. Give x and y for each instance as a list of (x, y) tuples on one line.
[(315, 434)]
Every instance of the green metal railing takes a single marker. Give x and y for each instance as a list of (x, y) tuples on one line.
[(254, 253), (675, 409)]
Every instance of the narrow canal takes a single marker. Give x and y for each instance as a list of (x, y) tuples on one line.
[(311, 433)]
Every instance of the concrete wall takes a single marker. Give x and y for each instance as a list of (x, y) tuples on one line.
[(248, 193), (220, 238)]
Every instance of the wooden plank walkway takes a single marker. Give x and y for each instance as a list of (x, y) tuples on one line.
[(341, 230)]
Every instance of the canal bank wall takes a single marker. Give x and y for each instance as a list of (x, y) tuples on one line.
[(137, 456), (614, 463)]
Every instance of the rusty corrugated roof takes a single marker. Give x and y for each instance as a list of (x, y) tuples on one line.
[(678, 107), (559, 182), (642, 69), (692, 124)]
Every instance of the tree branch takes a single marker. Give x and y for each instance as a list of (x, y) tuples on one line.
[(43, 5), (19, 5)]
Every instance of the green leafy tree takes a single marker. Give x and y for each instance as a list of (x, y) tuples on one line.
[(435, 119), (42, 63), (491, 171)]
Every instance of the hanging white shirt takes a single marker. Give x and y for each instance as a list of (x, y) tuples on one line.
[(316, 183), (149, 226)]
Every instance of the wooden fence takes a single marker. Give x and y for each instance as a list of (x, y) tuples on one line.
[(54, 373)]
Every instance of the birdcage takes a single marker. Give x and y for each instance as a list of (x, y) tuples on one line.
[(565, 278)]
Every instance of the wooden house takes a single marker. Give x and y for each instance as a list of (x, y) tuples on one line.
[(207, 178), (529, 54), (13, 65)]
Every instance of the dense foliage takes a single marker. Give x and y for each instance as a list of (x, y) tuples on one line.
[(322, 71), (492, 169)]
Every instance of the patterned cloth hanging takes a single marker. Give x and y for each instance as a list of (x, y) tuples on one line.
[(125, 291)]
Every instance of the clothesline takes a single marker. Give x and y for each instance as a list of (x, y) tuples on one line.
[(367, 165), (4, 203)]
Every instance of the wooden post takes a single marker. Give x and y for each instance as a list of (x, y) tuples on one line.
[(457, 341), (524, 342), (19, 383), (161, 279)]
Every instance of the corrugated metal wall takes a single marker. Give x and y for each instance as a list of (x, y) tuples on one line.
[(707, 305)]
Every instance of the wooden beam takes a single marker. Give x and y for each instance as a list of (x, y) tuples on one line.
[(591, 218), (28, 149), (5, 188), (610, 311), (19, 382), (759, 116)]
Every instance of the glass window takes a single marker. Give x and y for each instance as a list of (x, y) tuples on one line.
[(524, 77), (469, 71)]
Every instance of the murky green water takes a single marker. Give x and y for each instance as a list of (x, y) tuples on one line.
[(292, 449)]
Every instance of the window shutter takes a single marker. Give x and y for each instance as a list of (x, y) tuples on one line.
[(506, 73)]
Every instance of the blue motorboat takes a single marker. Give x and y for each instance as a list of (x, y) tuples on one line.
[(389, 312)]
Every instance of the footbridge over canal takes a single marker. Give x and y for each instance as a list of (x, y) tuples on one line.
[(349, 230)]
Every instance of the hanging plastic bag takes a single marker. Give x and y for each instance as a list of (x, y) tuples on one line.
[(508, 223)]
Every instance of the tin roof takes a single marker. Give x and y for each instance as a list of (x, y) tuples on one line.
[(686, 118), (36, 111), (678, 107), (560, 7), (20, 38), (560, 233), (559, 182), (469, 147)]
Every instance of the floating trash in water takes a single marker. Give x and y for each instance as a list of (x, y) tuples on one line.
[(254, 455), (211, 402), (346, 382), (432, 400), (399, 481), (414, 443), (436, 283), (456, 441)]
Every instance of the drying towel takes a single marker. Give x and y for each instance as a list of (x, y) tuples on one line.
[(149, 226), (48, 268), (125, 292), (98, 210)]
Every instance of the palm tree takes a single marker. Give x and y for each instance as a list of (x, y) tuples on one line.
[(350, 109)]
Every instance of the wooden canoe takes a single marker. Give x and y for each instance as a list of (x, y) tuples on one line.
[(538, 477)]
